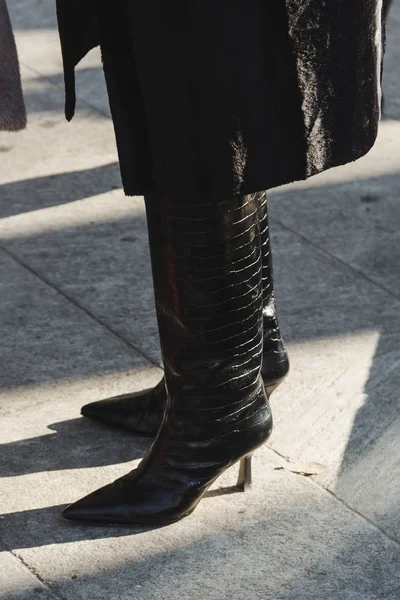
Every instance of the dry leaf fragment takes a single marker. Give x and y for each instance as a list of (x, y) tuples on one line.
[(303, 468)]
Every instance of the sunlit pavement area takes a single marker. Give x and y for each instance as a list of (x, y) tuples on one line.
[(78, 324)]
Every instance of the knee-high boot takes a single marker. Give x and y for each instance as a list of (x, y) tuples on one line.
[(207, 271), (142, 412)]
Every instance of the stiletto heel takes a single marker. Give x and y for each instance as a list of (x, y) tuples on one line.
[(269, 389), (273, 385), (245, 479)]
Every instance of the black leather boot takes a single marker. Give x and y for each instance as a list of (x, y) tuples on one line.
[(142, 412), (207, 271), (275, 365)]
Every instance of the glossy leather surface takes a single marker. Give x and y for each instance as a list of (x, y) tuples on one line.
[(139, 412), (207, 271), (275, 365), (142, 412)]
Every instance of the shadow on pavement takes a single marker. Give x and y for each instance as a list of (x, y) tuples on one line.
[(29, 195), (75, 444), (105, 275), (212, 564)]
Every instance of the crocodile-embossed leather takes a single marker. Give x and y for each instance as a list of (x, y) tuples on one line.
[(142, 412), (207, 270), (275, 366)]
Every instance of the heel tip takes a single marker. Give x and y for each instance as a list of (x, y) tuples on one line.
[(244, 487)]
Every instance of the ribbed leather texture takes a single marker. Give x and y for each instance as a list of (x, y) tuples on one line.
[(275, 364), (207, 270), (142, 412)]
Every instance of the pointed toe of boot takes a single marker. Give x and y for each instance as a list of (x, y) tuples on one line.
[(88, 510), (93, 507), (108, 505), (130, 412), (140, 412), (76, 511), (110, 412), (91, 410), (139, 499)]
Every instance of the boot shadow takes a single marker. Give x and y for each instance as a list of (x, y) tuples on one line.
[(44, 526), (224, 491), (73, 444)]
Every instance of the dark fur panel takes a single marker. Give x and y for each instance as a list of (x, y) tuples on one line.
[(232, 96)]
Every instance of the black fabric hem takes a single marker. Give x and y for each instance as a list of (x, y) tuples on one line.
[(258, 184)]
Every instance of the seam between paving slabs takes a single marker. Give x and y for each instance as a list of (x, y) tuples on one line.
[(45, 280), (93, 317), (336, 258), (32, 571), (284, 226), (356, 512), (377, 285), (339, 500)]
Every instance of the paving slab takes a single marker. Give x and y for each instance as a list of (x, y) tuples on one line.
[(45, 338), (73, 167), (69, 192), (62, 163), (284, 540), (95, 251), (355, 222), (53, 358), (17, 583), (342, 394)]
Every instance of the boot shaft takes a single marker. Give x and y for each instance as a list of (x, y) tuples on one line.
[(207, 271), (211, 333)]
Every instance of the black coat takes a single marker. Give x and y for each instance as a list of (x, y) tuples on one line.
[(231, 96)]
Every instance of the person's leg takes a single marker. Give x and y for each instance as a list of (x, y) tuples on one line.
[(207, 270), (142, 412)]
